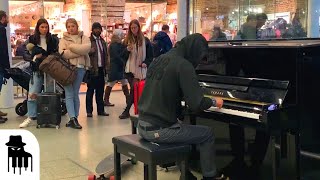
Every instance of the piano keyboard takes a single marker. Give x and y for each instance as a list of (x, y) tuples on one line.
[(231, 112), (234, 112)]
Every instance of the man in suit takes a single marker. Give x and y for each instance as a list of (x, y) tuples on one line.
[(4, 55), (96, 82)]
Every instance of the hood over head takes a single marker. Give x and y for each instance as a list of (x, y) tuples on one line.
[(193, 48)]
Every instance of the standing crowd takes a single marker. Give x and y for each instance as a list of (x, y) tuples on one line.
[(125, 60)]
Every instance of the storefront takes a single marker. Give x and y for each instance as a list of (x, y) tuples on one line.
[(112, 14), (229, 16)]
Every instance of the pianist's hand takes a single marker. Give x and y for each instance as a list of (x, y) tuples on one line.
[(219, 102)]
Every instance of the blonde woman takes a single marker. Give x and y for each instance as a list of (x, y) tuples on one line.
[(75, 47), (140, 55)]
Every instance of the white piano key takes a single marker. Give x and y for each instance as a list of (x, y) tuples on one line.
[(231, 112), (234, 112)]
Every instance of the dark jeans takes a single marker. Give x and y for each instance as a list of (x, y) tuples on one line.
[(261, 142), (186, 134), (96, 84)]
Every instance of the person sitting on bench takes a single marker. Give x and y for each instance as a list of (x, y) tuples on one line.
[(171, 78)]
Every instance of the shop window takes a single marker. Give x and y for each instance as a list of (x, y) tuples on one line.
[(248, 19)]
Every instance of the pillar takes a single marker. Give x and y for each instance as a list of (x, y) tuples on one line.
[(313, 18), (6, 97), (182, 18)]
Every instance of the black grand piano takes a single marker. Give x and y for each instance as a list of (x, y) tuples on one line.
[(269, 85)]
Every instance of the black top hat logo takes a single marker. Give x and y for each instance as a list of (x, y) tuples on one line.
[(15, 141)]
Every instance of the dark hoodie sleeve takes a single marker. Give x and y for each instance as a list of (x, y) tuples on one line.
[(191, 89), (149, 52)]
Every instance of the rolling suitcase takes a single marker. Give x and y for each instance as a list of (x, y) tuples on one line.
[(49, 107)]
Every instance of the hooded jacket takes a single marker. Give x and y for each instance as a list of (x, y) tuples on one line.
[(171, 78), (163, 41), (4, 55), (76, 51)]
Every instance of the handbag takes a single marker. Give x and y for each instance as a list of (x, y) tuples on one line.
[(137, 90), (59, 69)]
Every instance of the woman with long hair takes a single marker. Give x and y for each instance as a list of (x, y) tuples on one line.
[(49, 44), (75, 47), (139, 55)]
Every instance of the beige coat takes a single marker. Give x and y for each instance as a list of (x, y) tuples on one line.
[(75, 49)]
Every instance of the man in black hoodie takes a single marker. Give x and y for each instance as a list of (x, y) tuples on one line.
[(4, 55), (171, 78)]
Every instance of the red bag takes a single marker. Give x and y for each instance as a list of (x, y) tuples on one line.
[(138, 88)]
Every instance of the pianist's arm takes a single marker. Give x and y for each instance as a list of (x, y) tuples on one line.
[(191, 89)]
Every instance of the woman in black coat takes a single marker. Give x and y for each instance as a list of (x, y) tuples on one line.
[(43, 44), (116, 50)]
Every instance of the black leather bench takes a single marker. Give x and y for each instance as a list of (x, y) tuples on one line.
[(151, 154)]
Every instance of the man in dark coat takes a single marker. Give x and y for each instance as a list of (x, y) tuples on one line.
[(4, 55), (171, 78), (162, 42), (96, 82)]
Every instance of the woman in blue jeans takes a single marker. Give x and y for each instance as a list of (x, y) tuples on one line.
[(49, 44), (75, 47)]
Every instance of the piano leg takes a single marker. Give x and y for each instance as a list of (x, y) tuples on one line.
[(298, 150), (273, 156)]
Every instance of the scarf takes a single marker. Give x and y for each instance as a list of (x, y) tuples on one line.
[(136, 57)]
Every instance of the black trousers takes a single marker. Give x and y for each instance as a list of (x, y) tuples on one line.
[(131, 80), (95, 85), (261, 142)]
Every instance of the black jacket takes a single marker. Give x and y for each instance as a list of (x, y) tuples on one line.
[(163, 41), (4, 55), (170, 79), (52, 47), (116, 51)]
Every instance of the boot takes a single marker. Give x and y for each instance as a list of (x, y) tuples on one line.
[(73, 123), (107, 96), (3, 114), (125, 114), (126, 93)]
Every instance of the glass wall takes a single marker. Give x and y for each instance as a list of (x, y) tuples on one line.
[(249, 19)]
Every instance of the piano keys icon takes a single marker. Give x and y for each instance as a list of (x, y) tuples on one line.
[(17, 156)]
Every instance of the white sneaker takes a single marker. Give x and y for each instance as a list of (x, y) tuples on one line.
[(25, 123)]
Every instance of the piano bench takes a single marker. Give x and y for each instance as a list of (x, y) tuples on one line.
[(151, 154), (134, 123)]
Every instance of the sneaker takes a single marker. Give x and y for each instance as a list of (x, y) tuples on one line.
[(26, 123), (3, 114)]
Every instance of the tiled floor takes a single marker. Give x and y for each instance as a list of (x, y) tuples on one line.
[(74, 154)]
